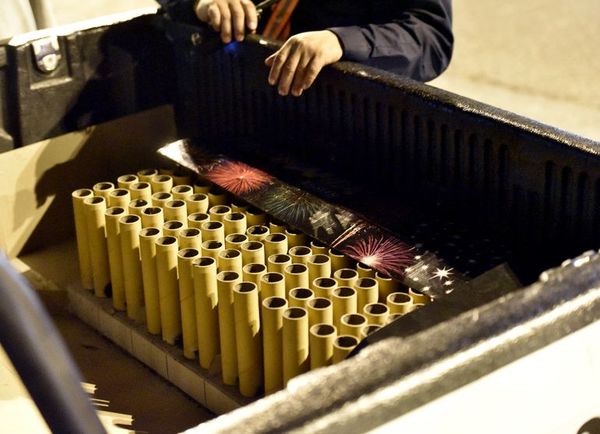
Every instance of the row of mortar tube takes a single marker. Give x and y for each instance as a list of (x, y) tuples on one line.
[(180, 290)]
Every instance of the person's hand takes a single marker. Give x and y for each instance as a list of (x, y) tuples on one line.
[(228, 17), (298, 62)]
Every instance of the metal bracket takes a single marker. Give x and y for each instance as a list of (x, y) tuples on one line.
[(46, 53)]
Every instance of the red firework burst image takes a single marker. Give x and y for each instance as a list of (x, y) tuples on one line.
[(387, 255), (238, 177)]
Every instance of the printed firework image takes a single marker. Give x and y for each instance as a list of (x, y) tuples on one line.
[(377, 249), (238, 178)]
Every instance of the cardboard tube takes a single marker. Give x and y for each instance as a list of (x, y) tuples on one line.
[(148, 237), (125, 181), (137, 206), (176, 210), (145, 175), (103, 189), (81, 233), (94, 208), (168, 288), (376, 313), (172, 228), (186, 301), (257, 233), (295, 343), (296, 275), (366, 331), (235, 241), (364, 270), (190, 238), (387, 285), (418, 296), (235, 223), (226, 281), (367, 292), (272, 309), (197, 202), (196, 219), (346, 276), (202, 186), (212, 248), (253, 272), (115, 260), (129, 233), (320, 311), (323, 287), (161, 183), (352, 324), (295, 238), (300, 254), (338, 260), (230, 260), (276, 227), (277, 263), (248, 338), (271, 285), (275, 244), (180, 178), (182, 192), (204, 271), (318, 266), (342, 346), (213, 231), (217, 213), (344, 301), (318, 248), (161, 198), (255, 217), (253, 252), (399, 302), (217, 196), (321, 341), (299, 297), (152, 216), (119, 197), (237, 205), (141, 190)]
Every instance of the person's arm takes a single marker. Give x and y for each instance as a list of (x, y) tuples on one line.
[(417, 43)]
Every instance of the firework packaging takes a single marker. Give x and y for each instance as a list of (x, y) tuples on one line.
[(348, 233)]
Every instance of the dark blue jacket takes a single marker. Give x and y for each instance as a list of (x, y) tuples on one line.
[(410, 37)]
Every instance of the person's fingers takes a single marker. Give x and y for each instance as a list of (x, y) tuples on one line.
[(225, 23), (288, 70), (250, 15), (276, 61), (214, 17), (299, 77), (200, 11), (311, 72), (237, 20)]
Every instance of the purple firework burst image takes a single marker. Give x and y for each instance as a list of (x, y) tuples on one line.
[(387, 255)]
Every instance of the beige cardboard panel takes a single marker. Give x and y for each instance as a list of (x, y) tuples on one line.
[(37, 179)]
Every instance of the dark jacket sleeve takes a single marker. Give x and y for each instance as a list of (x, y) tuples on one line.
[(416, 42)]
